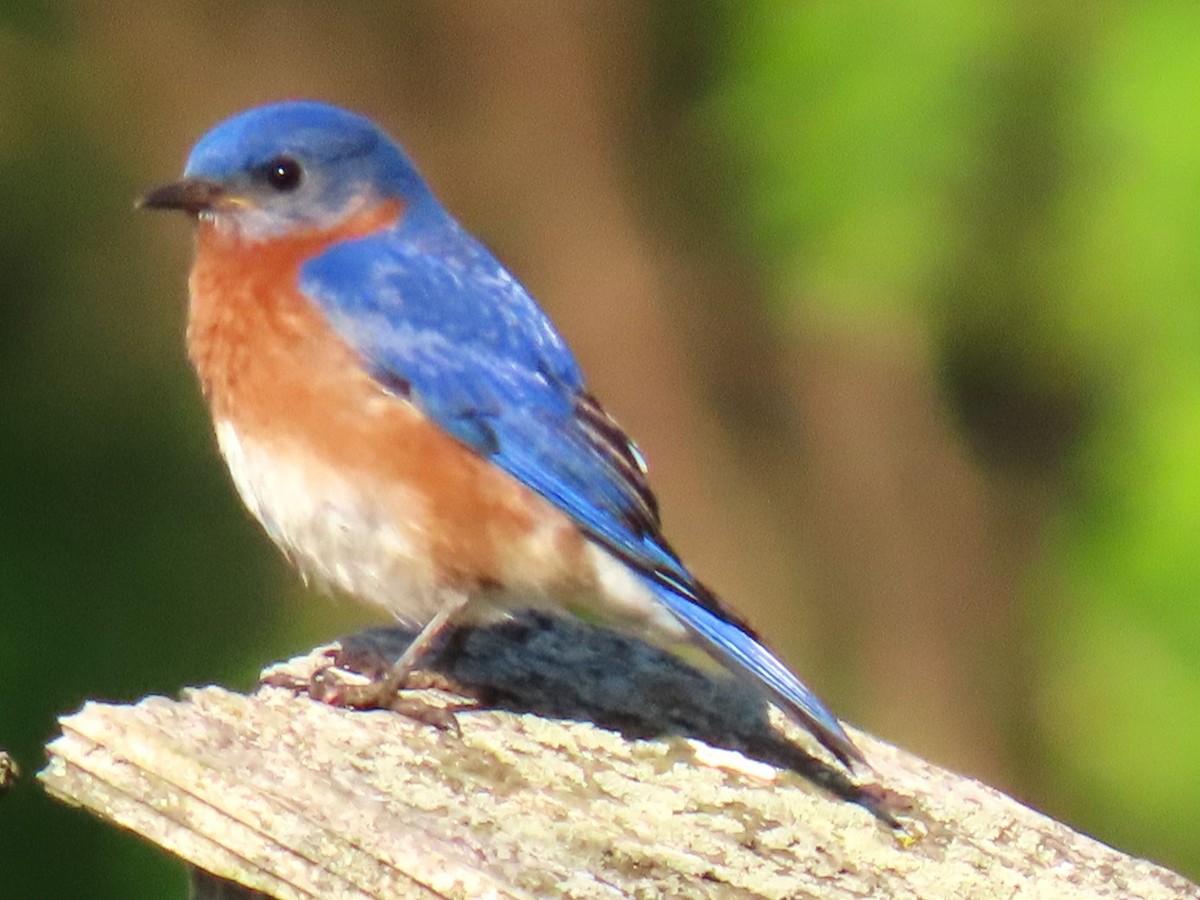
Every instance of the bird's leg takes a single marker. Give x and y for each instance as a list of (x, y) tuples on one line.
[(384, 692)]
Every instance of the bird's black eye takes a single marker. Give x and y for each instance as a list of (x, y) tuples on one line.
[(284, 173)]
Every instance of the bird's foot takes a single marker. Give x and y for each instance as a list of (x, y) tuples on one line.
[(328, 685), (360, 679)]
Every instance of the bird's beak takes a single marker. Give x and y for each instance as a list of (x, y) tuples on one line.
[(193, 195)]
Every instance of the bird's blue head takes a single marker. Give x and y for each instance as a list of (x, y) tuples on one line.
[(287, 166)]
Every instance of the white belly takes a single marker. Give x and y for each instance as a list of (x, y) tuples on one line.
[(371, 542), (338, 534)]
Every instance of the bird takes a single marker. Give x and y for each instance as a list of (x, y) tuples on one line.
[(403, 418)]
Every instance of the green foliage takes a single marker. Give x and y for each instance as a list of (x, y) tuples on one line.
[(858, 127), (1022, 183), (35, 18)]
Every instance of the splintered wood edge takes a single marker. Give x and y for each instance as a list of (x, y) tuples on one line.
[(8, 771), (299, 800)]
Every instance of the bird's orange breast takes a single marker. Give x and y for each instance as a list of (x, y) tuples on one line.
[(275, 371)]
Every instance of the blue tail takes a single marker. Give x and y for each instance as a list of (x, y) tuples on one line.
[(741, 652)]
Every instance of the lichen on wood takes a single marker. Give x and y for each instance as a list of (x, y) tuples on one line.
[(589, 766)]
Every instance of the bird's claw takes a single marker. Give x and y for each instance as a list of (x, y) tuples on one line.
[(383, 691)]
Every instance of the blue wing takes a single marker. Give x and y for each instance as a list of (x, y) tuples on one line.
[(439, 320)]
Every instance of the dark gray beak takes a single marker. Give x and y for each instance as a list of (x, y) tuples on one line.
[(193, 195)]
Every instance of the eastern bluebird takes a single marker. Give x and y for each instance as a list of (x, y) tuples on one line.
[(401, 416)]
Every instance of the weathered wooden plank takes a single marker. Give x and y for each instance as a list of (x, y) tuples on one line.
[(299, 800)]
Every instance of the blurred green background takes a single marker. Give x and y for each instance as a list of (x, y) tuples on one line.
[(901, 299)]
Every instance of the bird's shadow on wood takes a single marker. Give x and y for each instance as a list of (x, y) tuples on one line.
[(562, 668)]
